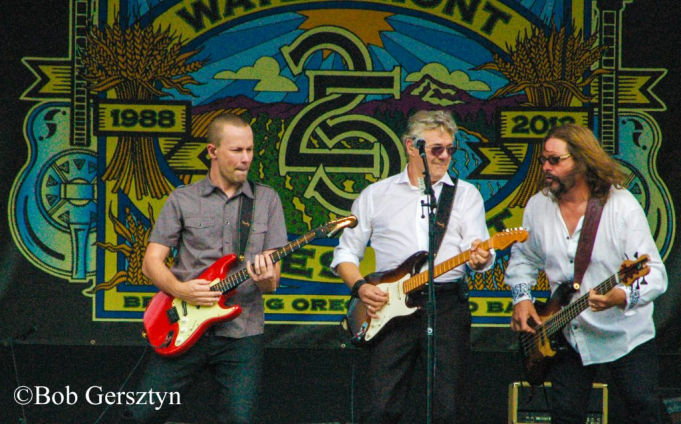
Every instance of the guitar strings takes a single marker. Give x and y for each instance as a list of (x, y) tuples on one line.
[(232, 281), (421, 278), (555, 323)]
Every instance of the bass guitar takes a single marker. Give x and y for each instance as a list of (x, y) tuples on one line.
[(173, 325), (406, 279), (537, 350)]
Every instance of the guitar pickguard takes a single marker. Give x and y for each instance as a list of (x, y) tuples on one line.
[(194, 318), (396, 306)]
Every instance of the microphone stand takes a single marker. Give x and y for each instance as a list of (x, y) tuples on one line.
[(431, 204)]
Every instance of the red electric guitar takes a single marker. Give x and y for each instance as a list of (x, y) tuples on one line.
[(172, 325)]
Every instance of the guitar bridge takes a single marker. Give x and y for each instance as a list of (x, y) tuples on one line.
[(173, 316)]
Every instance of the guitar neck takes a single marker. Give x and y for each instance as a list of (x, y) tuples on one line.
[(421, 279), (571, 311), (231, 282)]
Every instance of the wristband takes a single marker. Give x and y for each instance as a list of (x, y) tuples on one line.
[(354, 291)]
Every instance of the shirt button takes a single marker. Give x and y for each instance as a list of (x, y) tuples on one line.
[(575, 326), (571, 261)]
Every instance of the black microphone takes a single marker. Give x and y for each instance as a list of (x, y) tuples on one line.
[(420, 143)]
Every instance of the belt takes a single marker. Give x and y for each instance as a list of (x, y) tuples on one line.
[(458, 287)]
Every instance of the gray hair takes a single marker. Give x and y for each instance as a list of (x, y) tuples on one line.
[(425, 120)]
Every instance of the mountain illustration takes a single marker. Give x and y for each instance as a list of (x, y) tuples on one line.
[(425, 94)]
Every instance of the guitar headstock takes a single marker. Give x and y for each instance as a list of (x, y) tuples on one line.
[(333, 227), (631, 271), (505, 238)]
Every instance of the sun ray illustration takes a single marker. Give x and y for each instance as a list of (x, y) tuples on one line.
[(367, 25)]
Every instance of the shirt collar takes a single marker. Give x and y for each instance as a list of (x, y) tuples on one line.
[(404, 178), (207, 187)]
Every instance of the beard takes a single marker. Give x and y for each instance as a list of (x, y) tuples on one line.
[(559, 186)]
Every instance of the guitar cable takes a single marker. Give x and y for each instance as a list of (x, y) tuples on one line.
[(10, 342), (352, 388), (529, 394), (120, 389)]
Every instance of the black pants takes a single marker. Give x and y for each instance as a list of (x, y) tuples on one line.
[(394, 357), (636, 380), (236, 365)]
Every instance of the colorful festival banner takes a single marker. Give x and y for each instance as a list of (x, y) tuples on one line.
[(327, 87)]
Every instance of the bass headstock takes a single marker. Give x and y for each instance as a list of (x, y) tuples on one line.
[(631, 271)]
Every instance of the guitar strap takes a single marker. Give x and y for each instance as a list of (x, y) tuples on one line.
[(246, 212), (592, 218), (444, 210)]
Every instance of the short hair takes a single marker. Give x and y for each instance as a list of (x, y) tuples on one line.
[(600, 169), (214, 128), (425, 120)]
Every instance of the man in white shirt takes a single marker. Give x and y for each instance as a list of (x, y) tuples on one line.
[(617, 329), (390, 217)]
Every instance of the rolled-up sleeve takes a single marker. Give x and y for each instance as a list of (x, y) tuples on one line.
[(524, 264), (353, 241), (636, 241), (473, 224)]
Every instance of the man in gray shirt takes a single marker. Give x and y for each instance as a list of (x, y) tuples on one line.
[(201, 221)]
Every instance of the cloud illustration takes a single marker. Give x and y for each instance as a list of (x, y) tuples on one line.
[(266, 70), (458, 79)]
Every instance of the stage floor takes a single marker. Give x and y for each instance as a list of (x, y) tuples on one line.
[(300, 385)]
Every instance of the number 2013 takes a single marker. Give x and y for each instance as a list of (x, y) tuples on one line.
[(538, 124)]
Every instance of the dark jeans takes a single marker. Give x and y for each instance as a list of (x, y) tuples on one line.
[(636, 380), (394, 357), (236, 365)]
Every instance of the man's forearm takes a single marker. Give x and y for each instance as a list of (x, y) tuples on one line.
[(159, 274), (349, 272)]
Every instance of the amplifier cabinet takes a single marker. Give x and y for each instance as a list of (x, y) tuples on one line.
[(522, 411)]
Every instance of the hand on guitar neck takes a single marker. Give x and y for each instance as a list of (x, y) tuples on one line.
[(525, 317), (480, 257), (599, 303), (264, 272), (179, 314), (538, 324), (374, 298), (386, 293)]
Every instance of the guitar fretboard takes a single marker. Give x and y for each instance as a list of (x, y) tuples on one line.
[(570, 312), (231, 282), (530, 343), (421, 279)]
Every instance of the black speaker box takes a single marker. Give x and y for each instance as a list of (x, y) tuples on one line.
[(527, 406)]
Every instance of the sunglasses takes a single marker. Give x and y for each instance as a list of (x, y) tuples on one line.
[(553, 160), (437, 150)]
